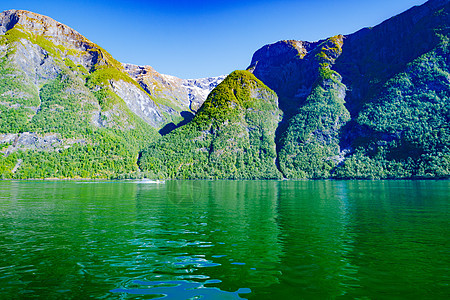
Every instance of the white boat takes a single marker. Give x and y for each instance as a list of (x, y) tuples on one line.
[(146, 180)]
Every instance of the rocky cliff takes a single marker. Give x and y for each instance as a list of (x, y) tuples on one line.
[(185, 94), (361, 105), (179, 98)]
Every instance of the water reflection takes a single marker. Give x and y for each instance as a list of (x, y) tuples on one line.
[(400, 231), (224, 239), (219, 222)]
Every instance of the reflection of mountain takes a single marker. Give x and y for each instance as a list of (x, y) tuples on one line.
[(359, 240), (307, 240), (313, 222), (58, 238), (400, 245), (226, 230)]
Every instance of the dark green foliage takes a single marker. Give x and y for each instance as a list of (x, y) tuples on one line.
[(13, 119), (394, 122), (6, 165), (60, 111), (232, 136), (108, 155), (310, 144), (371, 105), (406, 128), (309, 147), (17, 99)]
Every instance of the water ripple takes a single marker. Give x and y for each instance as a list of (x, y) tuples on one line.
[(181, 289)]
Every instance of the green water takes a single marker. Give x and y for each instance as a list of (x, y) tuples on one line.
[(225, 240)]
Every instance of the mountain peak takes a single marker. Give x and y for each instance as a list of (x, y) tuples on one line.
[(40, 25)]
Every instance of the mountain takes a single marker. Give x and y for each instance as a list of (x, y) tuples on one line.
[(186, 94), (69, 109), (232, 136), (373, 104), (183, 97)]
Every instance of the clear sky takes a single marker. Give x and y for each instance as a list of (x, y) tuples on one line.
[(193, 39)]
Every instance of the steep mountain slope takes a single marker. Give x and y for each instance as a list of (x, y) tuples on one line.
[(231, 136), (60, 115), (373, 104), (312, 99), (185, 94)]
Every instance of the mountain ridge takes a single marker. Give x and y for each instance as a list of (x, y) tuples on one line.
[(332, 90), (368, 105)]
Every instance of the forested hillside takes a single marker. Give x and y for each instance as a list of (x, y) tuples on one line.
[(369, 105), (373, 104), (232, 136)]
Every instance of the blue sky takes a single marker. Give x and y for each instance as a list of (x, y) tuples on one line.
[(193, 39)]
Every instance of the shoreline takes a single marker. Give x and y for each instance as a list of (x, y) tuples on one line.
[(227, 179)]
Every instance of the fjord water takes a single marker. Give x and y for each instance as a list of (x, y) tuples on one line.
[(225, 240)]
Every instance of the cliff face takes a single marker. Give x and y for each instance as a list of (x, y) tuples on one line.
[(355, 100), (178, 99), (41, 49), (41, 45), (183, 94), (289, 68)]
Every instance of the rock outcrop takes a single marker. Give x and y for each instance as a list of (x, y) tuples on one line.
[(156, 98), (373, 104), (183, 94)]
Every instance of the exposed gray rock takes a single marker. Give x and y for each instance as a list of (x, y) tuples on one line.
[(34, 141), (139, 102), (182, 94), (17, 166), (98, 120), (169, 96), (35, 62), (199, 89)]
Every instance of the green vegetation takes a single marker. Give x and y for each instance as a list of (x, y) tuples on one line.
[(377, 107), (406, 128), (17, 98), (91, 152), (106, 155), (403, 132), (232, 136), (309, 147), (95, 134)]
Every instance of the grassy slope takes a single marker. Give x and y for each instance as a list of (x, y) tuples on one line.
[(394, 120), (310, 143)]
